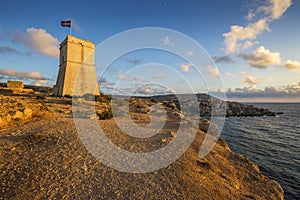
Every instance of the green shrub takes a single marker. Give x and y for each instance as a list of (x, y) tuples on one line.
[(171, 104), (40, 96), (101, 99), (67, 96), (89, 97), (107, 114), (154, 100)]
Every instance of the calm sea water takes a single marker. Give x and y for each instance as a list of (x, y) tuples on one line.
[(271, 142)]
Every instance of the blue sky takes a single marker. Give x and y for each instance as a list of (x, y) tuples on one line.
[(255, 44)]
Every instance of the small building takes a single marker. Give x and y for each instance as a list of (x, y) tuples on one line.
[(76, 75), (15, 87), (15, 84)]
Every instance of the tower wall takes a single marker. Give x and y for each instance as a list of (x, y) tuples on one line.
[(76, 68)]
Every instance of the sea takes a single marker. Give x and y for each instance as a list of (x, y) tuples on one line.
[(271, 142)]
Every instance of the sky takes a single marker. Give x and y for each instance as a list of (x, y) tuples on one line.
[(254, 45)]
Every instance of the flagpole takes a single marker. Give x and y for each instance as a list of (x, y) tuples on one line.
[(70, 27)]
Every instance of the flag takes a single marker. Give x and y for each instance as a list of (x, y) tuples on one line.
[(67, 23)]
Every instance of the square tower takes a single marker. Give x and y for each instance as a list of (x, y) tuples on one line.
[(76, 75)]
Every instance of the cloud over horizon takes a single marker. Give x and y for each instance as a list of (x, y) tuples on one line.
[(152, 89), (39, 82), (283, 92), (20, 74), (39, 41), (261, 57)]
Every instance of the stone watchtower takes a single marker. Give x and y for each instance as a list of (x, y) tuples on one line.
[(76, 75)]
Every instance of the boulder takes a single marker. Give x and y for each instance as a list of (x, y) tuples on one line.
[(175, 114), (17, 115), (204, 124), (27, 113)]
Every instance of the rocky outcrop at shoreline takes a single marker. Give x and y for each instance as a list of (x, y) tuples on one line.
[(234, 109), (242, 110)]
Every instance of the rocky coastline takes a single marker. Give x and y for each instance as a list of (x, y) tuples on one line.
[(42, 155), (234, 109)]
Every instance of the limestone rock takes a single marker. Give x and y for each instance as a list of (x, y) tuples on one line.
[(17, 115), (204, 124), (175, 114), (27, 113), (173, 133), (164, 140), (94, 116)]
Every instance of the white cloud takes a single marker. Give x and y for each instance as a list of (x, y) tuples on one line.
[(235, 39), (269, 79), (251, 88), (122, 77), (170, 90), (146, 90), (189, 53), (275, 8), (230, 75), (295, 86), (248, 44), (22, 75), (186, 67), (39, 82), (213, 71), (261, 58), (292, 65), (249, 79), (250, 15), (140, 79), (159, 75), (283, 78), (166, 40), (151, 89), (242, 37), (40, 41)]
